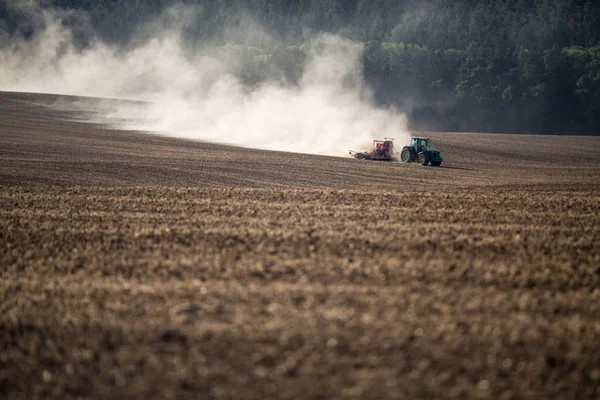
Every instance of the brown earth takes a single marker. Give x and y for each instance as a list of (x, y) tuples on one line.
[(141, 266)]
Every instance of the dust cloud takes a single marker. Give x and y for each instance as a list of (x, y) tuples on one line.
[(196, 92)]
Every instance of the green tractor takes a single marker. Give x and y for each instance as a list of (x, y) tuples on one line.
[(418, 150)]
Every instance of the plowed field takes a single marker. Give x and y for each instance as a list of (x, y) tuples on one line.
[(135, 265)]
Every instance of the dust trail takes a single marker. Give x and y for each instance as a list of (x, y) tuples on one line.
[(197, 92)]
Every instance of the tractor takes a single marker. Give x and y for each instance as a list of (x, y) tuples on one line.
[(383, 150), (418, 150)]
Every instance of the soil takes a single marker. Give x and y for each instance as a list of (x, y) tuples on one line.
[(135, 265)]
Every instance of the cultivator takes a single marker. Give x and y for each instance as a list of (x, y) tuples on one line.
[(383, 150)]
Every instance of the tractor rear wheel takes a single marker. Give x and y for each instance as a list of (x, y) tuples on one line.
[(423, 159), (405, 155)]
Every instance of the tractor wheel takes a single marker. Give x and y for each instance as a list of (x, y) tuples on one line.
[(436, 163), (405, 155), (423, 159)]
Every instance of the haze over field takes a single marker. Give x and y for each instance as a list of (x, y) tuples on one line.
[(196, 91)]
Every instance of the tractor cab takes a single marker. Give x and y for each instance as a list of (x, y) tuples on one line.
[(419, 144)]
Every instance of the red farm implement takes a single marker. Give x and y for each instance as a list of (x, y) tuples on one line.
[(383, 150)]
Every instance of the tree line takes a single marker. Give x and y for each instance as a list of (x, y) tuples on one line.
[(476, 65)]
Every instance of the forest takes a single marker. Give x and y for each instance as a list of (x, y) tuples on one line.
[(526, 66)]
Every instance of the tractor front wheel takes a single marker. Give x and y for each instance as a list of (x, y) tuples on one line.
[(436, 163), (423, 159), (405, 155)]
